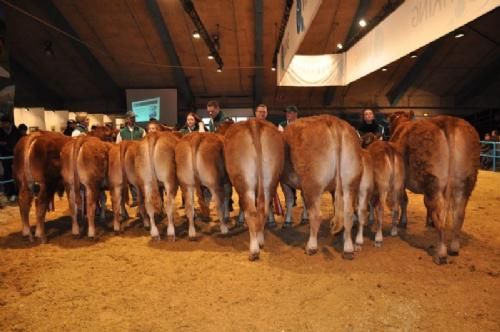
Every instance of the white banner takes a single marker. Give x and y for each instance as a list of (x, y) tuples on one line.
[(414, 24), (301, 16), (315, 70)]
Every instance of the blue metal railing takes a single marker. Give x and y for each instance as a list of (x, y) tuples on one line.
[(8, 180), (492, 153)]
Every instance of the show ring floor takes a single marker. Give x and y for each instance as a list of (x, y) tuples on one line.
[(128, 283)]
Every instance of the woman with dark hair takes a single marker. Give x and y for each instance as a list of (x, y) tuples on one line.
[(193, 124), (369, 124)]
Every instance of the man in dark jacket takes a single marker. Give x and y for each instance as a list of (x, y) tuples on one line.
[(369, 124), (9, 135)]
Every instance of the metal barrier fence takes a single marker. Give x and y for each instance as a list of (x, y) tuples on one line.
[(490, 154), (4, 181)]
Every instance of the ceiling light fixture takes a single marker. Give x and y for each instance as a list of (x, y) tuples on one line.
[(48, 48), (210, 57), (339, 46), (219, 70), (413, 55), (362, 23), (384, 69), (196, 35), (459, 34), (273, 68)]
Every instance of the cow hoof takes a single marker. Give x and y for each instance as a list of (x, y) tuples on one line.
[(377, 244), (76, 236), (348, 256), (452, 253), (271, 225), (147, 228), (311, 252), (402, 225), (304, 221), (171, 238), (43, 240), (93, 238), (117, 233), (155, 238), (440, 260), (358, 247), (287, 225), (193, 238), (253, 257)]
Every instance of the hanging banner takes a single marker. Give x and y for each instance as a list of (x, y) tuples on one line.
[(414, 24), (301, 16), (315, 70)]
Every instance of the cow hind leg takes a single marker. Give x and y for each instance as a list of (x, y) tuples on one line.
[(41, 204), (349, 195), (363, 219), (403, 220), (437, 211), (25, 199), (218, 195), (312, 198), (458, 214), (189, 208), (116, 201), (170, 192), (250, 213), (91, 206), (289, 205), (380, 208)]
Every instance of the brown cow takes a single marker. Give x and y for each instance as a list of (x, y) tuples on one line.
[(389, 177), (253, 152), (92, 165), (37, 171), (441, 158), (146, 163), (199, 159), (323, 154)]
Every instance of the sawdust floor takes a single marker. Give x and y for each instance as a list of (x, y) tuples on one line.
[(128, 283)]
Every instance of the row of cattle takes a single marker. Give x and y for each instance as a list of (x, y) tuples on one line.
[(438, 158)]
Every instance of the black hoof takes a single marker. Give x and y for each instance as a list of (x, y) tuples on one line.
[(92, 238), (440, 260), (271, 225), (147, 228), (193, 238), (287, 225), (402, 225), (348, 256), (311, 252), (117, 233), (453, 253), (253, 257), (304, 221)]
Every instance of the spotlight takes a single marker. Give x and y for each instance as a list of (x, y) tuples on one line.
[(210, 57), (196, 35), (273, 68), (362, 23), (339, 46), (48, 48), (413, 55), (384, 69), (219, 70), (426, 114), (459, 34)]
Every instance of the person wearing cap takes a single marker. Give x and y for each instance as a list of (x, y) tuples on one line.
[(70, 126), (82, 125), (291, 115), (216, 116), (131, 132)]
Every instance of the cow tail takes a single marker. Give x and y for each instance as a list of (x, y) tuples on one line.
[(261, 205), (156, 201), (125, 195), (451, 177), (79, 200), (338, 217), (33, 186), (393, 165), (194, 153)]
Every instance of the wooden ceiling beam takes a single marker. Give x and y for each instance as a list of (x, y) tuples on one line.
[(180, 77), (259, 52)]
